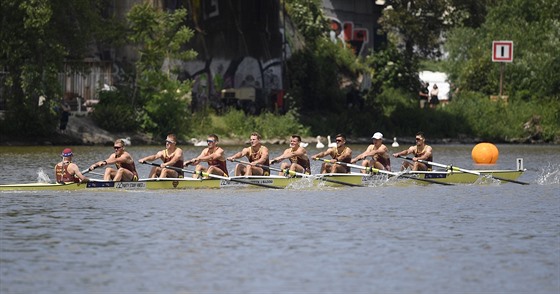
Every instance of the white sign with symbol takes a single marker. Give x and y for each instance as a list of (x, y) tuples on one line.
[(502, 51)]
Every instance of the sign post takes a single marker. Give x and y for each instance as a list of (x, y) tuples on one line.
[(502, 51)]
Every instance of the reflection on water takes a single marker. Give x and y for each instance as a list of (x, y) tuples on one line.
[(499, 238)]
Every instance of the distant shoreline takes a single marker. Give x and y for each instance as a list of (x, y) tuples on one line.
[(83, 131)]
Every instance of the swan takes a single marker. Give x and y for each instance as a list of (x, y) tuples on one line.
[(319, 143), (126, 141), (303, 144), (196, 142), (333, 144), (395, 143)]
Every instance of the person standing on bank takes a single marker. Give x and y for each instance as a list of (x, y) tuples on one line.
[(380, 158), (434, 100), (212, 154), (64, 115), (420, 151), (256, 154), (340, 153), (423, 95), (125, 168), (66, 171), (171, 156), (299, 161)]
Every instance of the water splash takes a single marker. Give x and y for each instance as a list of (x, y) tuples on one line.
[(42, 177), (487, 180), (303, 183), (549, 175)]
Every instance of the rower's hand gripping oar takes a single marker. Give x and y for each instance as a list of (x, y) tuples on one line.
[(286, 172), (89, 169), (201, 174), (373, 170), (454, 168)]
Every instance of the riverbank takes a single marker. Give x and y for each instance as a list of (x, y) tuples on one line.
[(82, 130)]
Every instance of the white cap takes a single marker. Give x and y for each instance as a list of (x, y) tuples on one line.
[(377, 135)]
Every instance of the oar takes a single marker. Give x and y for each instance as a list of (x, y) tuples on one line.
[(454, 168), (292, 172), (85, 171), (373, 170), (285, 171), (205, 174)]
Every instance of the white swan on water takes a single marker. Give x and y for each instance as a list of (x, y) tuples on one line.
[(330, 145), (320, 144), (126, 141), (303, 144), (395, 143), (198, 143)]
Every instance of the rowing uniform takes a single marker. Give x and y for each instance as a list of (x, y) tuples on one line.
[(254, 156), (304, 162), (337, 154), (179, 164), (221, 164), (384, 159), (421, 153), (63, 175), (129, 166)]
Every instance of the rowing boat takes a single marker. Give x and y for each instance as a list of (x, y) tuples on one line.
[(450, 176), (272, 181), (454, 177)]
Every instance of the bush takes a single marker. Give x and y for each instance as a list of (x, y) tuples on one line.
[(114, 112)]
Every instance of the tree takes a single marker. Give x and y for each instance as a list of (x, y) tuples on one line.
[(37, 37), (160, 38), (535, 31)]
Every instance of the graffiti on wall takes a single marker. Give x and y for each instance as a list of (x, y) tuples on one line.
[(212, 76), (347, 34)]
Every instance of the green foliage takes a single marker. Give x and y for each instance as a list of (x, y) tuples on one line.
[(160, 37), (416, 24), (309, 18), (498, 121), (391, 69), (114, 111), (238, 125), (536, 37), (37, 36)]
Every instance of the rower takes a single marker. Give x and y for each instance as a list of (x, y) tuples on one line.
[(340, 153), (171, 156), (379, 153), (299, 161), (421, 152), (256, 154), (67, 171), (214, 155), (125, 168)]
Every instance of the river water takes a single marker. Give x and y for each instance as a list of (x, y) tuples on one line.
[(496, 238)]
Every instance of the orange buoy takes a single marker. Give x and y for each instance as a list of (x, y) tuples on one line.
[(485, 153)]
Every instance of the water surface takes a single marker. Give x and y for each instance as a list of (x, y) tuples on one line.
[(497, 238)]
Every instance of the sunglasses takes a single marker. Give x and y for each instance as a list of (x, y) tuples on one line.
[(117, 147), (169, 142), (210, 141), (418, 139), (338, 140)]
